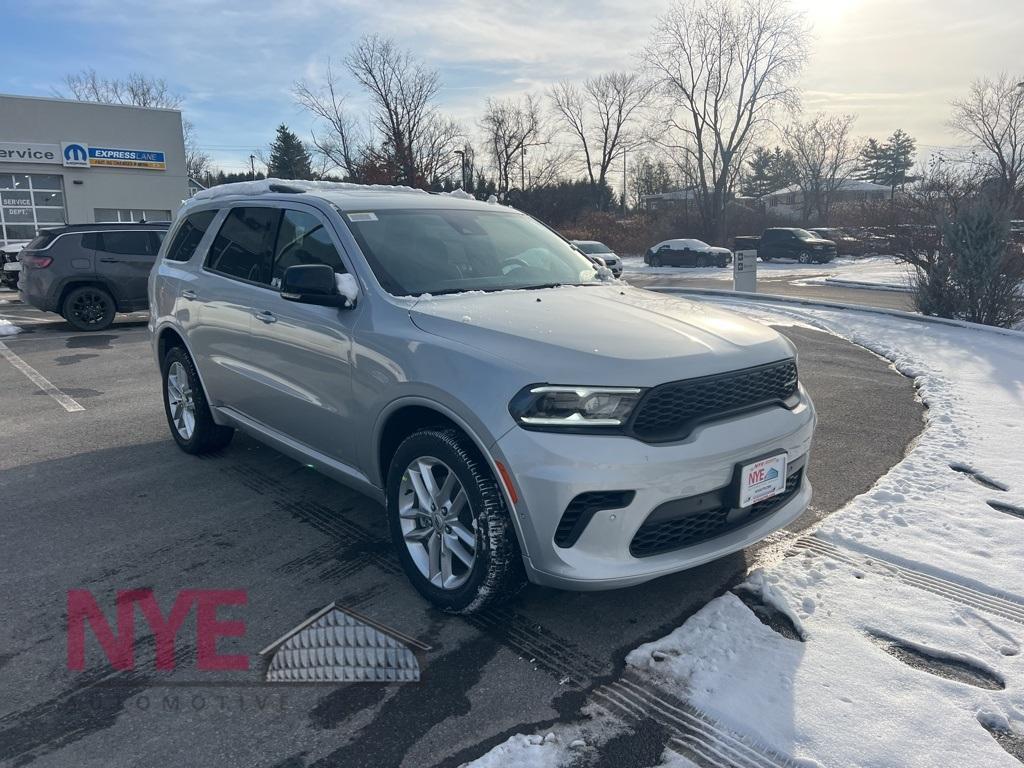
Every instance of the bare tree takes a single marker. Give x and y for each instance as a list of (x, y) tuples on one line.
[(723, 67), (509, 127), (136, 89), (337, 140), (402, 92), (601, 116), (992, 116), (826, 156), (197, 163)]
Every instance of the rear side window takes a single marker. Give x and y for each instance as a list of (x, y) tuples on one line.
[(244, 246), (127, 243), (302, 239), (189, 234), (41, 241)]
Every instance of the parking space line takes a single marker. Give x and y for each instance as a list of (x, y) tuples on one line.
[(67, 402)]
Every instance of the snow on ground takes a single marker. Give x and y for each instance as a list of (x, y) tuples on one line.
[(7, 328), (880, 272), (887, 674)]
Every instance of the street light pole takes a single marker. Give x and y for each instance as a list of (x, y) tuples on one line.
[(252, 164), (462, 165), (623, 182), (522, 168)]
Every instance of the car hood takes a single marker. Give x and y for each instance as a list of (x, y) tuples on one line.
[(719, 250), (608, 334), (818, 241)]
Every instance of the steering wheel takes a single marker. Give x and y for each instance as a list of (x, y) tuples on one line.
[(511, 265)]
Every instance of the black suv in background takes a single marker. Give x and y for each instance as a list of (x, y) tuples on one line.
[(89, 272), (794, 243)]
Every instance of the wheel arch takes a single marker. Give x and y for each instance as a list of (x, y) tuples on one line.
[(403, 417)]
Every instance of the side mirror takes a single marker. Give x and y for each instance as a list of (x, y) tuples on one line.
[(312, 284)]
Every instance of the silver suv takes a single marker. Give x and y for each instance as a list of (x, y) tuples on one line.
[(521, 415)]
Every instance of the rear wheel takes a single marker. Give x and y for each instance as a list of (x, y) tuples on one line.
[(89, 308), (804, 257), (449, 523), (188, 412)]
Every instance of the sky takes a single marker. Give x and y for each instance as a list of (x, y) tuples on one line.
[(893, 63)]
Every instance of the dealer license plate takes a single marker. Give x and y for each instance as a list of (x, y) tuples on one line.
[(762, 479)]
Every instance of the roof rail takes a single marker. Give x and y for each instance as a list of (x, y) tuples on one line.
[(289, 188)]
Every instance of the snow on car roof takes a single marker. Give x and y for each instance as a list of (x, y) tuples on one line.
[(345, 195)]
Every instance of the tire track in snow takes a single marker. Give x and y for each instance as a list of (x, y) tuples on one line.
[(983, 601)]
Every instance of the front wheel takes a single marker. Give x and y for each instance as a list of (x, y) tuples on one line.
[(188, 412), (89, 308), (449, 523), (804, 257), (655, 261)]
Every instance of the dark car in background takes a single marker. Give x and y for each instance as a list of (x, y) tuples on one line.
[(687, 252), (90, 272), (846, 244), (592, 248), (794, 243)]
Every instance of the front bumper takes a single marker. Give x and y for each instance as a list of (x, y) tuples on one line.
[(550, 469)]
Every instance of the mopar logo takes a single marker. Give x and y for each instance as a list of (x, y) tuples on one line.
[(75, 155)]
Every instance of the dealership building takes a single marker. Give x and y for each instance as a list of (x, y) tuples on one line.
[(76, 162)]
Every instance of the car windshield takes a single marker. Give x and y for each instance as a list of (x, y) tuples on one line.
[(593, 247), (413, 252)]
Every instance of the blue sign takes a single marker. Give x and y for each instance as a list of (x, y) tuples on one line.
[(127, 158)]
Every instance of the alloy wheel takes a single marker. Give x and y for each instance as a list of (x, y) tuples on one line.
[(90, 307), (437, 522), (181, 400)]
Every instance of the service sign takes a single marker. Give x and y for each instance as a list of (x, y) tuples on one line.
[(29, 152), (127, 158)]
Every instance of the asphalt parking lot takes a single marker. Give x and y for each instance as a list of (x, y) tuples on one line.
[(98, 497)]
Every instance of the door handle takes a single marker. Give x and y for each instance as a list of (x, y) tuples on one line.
[(266, 317), (110, 261), (188, 293)]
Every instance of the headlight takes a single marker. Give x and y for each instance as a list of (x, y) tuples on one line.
[(542, 406)]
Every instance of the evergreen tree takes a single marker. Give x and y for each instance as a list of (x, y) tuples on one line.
[(649, 177), (888, 163), (768, 171), (289, 158)]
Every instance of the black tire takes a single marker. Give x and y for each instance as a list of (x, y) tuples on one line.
[(723, 262), (497, 572), (655, 261), (89, 308), (207, 436), (805, 257)]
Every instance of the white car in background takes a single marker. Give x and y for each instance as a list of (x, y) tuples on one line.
[(603, 252), (687, 252), (11, 267)]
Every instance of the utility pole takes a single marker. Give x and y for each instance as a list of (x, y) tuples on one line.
[(623, 182), (462, 164), (522, 168), (252, 165)]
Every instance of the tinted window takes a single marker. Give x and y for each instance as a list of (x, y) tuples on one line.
[(244, 247), (302, 239), (127, 243), (189, 234), (594, 247)]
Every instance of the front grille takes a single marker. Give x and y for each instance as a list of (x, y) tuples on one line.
[(582, 508), (658, 534), (671, 411)]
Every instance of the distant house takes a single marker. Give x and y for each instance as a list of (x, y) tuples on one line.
[(665, 199), (789, 201)]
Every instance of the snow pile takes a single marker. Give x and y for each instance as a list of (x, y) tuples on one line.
[(7, 328), (347, 286), (911, 671)]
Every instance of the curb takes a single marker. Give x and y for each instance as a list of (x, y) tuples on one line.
[(778, 299)]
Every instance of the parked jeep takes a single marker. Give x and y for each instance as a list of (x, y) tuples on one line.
[(90, 272)]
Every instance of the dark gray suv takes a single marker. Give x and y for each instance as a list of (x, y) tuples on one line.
[(89, 272)]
